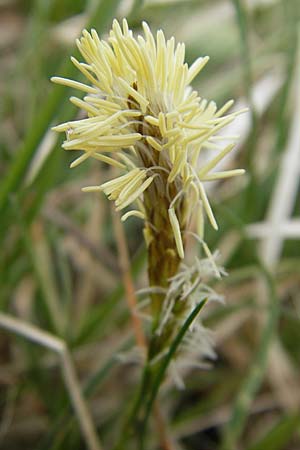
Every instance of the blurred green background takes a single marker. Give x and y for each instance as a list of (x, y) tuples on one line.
[(59, 268)]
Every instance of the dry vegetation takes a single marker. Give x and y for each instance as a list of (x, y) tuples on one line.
[(69, 361)]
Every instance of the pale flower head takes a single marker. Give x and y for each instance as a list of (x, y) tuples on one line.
[(144, 117)]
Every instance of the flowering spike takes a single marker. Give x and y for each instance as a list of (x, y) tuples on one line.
[(177, 232), (144, 118)]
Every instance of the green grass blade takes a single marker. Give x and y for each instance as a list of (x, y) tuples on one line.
[(234, 428), (102, 15), (160, 374), (280, 435), (245, 49), (94, 324), (242, 21), (149, 386), (41, 262)]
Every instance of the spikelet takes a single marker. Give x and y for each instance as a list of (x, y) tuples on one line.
[(143, 117)]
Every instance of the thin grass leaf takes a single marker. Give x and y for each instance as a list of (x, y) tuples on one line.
[(149, 387), (241, 16), (289, 11), (101, 16), (242, 21), (233, 429), (280, 435), (160, 374), (43, 273), (250, 386), (66, 423), (57, 345), (98, 318)]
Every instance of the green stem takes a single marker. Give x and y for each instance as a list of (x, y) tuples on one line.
[(160, 373), (152, 379), (132, 420)]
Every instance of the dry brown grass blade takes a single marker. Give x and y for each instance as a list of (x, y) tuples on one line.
[(57, 345), (127, 280)]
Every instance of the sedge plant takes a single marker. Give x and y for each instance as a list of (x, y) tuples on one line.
[(143, 117)]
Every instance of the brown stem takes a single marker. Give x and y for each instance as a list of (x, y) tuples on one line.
[(127, 280), (163, 258), (164, 438)]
